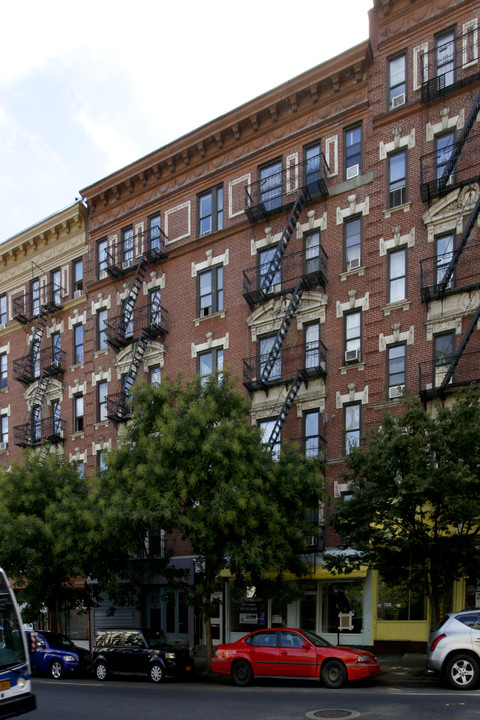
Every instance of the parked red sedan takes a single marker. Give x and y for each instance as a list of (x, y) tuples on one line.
[(286, 653)]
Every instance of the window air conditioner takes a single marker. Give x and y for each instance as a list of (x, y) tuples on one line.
[(3, 445), (352, 356), (398, 100), (396, 391), (353, 263), (352, 171), (78, 293), (3, 326)]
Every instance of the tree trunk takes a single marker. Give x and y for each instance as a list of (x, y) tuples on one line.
[(208, 642)]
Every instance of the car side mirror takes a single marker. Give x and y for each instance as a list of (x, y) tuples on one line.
[(306, 645)]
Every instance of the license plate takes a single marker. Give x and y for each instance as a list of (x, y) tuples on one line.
[(4, 684)]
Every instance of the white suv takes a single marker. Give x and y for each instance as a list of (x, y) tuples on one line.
[(454, 649)]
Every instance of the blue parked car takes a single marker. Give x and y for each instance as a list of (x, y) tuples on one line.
[(56, 654)]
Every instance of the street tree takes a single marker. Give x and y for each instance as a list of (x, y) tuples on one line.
[(43, 529), (414, 510), (191, 464)]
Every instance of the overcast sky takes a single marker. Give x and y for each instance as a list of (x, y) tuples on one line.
[(88, 87)]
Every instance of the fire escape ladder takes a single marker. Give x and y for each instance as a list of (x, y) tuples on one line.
[(133, 293), (37, 403), (287, 404), (452, 160), (290, 226), (449, 270), (34, 346), (137, 357), (458, 354), (283, 329)]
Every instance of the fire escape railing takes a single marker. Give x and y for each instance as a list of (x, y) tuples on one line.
[(460, 65), (461, 168), (149, 246), (36, 432), (118, 406), (33, 303), (28, 369), (308, 359)]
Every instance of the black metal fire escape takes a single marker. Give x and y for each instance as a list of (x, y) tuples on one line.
[(459, 145), (126, 318)]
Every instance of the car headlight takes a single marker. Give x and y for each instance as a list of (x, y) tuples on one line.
[(21, 682), (70, 658), (170, 655), (364, 659)]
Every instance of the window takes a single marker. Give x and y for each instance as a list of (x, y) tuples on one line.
[(127, 319), (4, 431), (396, 370), (266, 347), (127, 248), (78, 413), (210, 291), (56, 287), (271, 185), (36, 423), (102, 257), (443, 150), (36, 358), (353, 151), (154, 233), (210, 362), (77, 344), (352, 229), (77, 273), (102, 390), (397, 81), (56, 415), (445, 59), (351, 416), (397, 276), (397, 179), (80, 468), (444, 246), (3, 371), (155, 375), (101, 460), (56, 349), (266, 428), (265, 258), (210, 211), (312, 345), (35, 295), (3, 309), (313, 167), (312, 252), (311, 421), (154, 298), (101, 329), (353, 336), (443, 353)]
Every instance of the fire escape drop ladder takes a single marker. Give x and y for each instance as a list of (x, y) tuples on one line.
[(133, 293), (136, 361), (287, 404), (35, 342), (452, 160), (37, 403)]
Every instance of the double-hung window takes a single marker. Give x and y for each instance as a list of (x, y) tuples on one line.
[(56, 417), (4, 431), (78, 413), (35, 296), (351, 419), (210, 362), (312, 252), (266, 428), (102, 257), (396, 370), (77, 344), (155, 375), (56, 288), (397, 81), (312, 345), (3, 370), (352, 229), (444, 245), (265, 258), (397, 276), (56, 339), (210, 211), (266, 347), (154, 233), (313, 167), (353, 336), (101, 329), (311, 421), (271, 186), (77, 270), (443, 352), (445, 59), (155, 307), (3, 309), (102, 391), (353, 151), (444, 145), (397, 179), (36, 358), (210, 291), (127, 248), (36, 423)]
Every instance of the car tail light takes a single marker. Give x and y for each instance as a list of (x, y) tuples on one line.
[(436, 641)]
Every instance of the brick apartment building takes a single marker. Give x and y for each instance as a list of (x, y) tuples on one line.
[(321, 241)]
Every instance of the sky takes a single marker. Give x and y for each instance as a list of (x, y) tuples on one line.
[(87, 88)]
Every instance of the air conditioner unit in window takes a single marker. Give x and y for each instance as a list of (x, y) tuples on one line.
[(352, 356), (352, 171), (3, 445), (3, 326), (78, 293), (398, 100), (353, 263), (396, 391)]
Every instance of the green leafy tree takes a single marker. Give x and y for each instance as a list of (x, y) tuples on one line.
[(414, 513), (43, 529), (192, 464)]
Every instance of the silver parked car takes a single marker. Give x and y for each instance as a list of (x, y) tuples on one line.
[(454, 649)]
